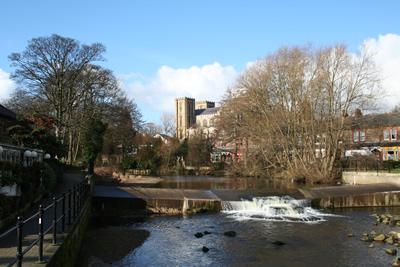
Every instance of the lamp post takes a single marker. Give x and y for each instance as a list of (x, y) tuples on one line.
[(27, 155), (46, 156)]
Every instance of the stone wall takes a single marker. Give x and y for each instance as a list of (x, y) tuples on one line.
[(381, 199), (67, 253), (372, 177)]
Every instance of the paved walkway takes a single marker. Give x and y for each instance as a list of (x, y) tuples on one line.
[(8, 244)]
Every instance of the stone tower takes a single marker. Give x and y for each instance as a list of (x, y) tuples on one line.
[(185, 116)]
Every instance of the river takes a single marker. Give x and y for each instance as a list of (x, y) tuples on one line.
[(270, 231)]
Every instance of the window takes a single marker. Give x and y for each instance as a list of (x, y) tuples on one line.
[(390, 134), (362, 136), (356, 136), (386, 135), (393, 134), (390, 155)]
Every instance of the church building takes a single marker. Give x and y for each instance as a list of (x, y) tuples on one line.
[(191, 114)]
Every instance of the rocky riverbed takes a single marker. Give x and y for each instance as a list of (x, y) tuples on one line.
[(390, 237)]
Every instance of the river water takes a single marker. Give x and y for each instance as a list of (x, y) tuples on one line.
[(270, 231)]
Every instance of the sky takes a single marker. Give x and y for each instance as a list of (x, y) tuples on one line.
[(161, 50)]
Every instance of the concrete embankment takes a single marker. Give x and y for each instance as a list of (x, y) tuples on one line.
[(371, 177), (112, 200), (348, 196)]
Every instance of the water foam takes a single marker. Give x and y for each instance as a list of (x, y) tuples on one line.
[(273, 208)]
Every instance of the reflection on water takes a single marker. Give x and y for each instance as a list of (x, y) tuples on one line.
[(172, 242)]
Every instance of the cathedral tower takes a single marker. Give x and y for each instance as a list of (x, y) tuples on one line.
[(185, 116)]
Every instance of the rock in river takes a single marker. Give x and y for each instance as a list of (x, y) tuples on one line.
[(389, 240), (230, 233), (391, 251), (278, 243), (380, 237), (198, 235), (205, 249)]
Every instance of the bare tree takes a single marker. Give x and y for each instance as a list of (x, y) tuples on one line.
[(290, 109), (58, 78), (168, 124), (49, 69), (151, 128)]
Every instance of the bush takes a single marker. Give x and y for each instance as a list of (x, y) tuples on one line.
[(49, 177), (218, 166), (57, 167), (129, 163)]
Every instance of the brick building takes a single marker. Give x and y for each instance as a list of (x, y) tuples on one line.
[(378, 132)]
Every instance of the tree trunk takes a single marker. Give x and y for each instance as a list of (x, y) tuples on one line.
[(91, 167)]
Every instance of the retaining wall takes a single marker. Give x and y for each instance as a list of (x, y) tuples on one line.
[(67, 254), (370, 177), (381, 199)]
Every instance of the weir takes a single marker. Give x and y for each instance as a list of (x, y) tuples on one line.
[(273, 208), (113, 200), (125, 200)]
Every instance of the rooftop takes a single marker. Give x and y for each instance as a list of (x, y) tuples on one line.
[(6, 113), (207, 111), (376, 120)]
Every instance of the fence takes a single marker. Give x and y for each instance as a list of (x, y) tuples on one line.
[(64, 210), (370, 164)]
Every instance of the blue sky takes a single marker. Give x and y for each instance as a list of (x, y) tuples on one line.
[(202, 45)]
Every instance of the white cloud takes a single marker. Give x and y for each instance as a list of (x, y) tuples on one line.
[(208, 82), (386, 52), (7, 86)]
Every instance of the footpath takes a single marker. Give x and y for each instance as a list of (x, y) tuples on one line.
[(8, 244)]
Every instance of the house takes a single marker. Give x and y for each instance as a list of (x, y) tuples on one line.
[(166, 139), (7, 119), (374, 133)]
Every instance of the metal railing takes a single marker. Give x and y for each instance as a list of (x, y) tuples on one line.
[(68, 213), (368, 164)]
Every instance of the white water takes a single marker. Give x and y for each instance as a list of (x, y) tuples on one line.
[(273, 209)]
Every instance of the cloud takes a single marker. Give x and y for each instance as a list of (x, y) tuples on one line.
[(208, 82), (7, 86), (386, 52)]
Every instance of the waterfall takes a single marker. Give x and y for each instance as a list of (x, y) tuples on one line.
[(273, 208)]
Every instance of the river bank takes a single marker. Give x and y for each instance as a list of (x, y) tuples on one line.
[(175, 241), (103, 246)]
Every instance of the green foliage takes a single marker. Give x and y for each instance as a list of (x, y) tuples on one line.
[(28, 178), (199, 149), (26, 134), (10, 173), (93, 139), (182, 149), (57, 167), (49, 177), (49, 143), (218, 166), (129, 163), (391, 165)]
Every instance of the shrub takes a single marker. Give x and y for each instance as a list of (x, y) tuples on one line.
[(49, 177)]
